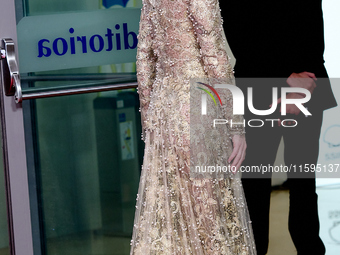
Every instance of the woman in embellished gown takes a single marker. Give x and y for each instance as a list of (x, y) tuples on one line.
[(180, 212)]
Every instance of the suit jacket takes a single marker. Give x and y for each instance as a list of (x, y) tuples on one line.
[(276, 38)]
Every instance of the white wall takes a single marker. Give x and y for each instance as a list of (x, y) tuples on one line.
[(331, 155), (329, 189)]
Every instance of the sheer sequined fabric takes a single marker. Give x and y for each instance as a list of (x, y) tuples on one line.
[(176, 213)]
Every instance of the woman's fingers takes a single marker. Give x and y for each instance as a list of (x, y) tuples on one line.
[(240, 162), (234, 152), (238, 154)]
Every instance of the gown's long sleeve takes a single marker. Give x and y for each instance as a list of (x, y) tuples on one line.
[(146, 61), (206, 17)]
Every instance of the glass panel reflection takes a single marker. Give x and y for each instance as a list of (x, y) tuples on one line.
[(44, 7), (39, 7), (89, 154), (87, 151)]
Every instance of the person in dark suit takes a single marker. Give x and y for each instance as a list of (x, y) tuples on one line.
[(281, 39)]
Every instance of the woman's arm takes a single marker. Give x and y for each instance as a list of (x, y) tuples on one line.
[(207, 21), (206, 17), (146, 61)]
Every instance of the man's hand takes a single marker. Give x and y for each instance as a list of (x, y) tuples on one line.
[(239, 152), (304, 80), (291, 108)]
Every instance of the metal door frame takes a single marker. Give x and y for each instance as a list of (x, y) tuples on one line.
[(22, 207), (14, 153)]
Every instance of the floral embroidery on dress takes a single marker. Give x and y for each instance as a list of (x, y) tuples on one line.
[(179, 41)]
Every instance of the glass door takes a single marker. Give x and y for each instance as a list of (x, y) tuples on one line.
[(71, 124), (4, 240)]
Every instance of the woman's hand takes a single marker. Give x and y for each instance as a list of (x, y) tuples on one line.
[(239, 152)]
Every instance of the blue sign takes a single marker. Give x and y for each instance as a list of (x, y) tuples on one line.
[(95, 43), (122, 117), (74, 40)]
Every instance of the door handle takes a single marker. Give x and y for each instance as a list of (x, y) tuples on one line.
[(10, 70), (12, 82)]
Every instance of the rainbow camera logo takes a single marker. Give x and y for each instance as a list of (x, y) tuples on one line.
[(204, 96)]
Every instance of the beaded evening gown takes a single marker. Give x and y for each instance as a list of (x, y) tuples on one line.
[(177, 212)]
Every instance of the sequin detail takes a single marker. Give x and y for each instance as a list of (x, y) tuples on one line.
[(176, 214)]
